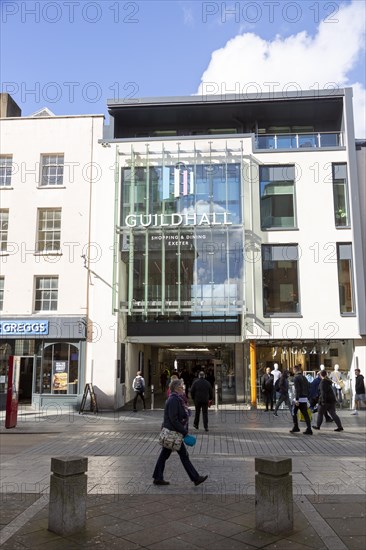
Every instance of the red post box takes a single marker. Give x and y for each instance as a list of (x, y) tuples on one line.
[(12, 396)]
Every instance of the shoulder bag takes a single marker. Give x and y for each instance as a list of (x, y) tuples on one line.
[(170, 439)]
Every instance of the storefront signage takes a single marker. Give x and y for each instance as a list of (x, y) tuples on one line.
[(27, 328), (176, 220)]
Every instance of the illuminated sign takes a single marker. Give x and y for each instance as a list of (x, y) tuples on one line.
[(176, 220), (26, 328)]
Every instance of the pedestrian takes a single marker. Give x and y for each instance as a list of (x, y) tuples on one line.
[(176, 419), (360, 393), (327, 402), (201, 393), (173, 377), (283, 391), (301, 387), (314, 396), (163, 380), (267, 388), (138, 386)]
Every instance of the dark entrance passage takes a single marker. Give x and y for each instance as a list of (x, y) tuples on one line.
[(25, 380)]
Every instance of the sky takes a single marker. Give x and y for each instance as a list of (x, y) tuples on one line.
[(71, 56)]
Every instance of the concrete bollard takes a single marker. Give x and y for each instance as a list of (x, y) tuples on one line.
[(68, 490), (274, 511)]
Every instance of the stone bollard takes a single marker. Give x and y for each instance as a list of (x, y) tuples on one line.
[(273, 495), (68, 490)]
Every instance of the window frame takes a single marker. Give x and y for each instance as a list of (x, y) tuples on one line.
[(5, 175), (4, 232), (351, 282), (277, 290), (45, 232), (344, 210), (50, 289), (2, 286), (263, 183), (46, 178)]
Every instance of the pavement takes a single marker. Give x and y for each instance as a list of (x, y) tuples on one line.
[(126, 511)]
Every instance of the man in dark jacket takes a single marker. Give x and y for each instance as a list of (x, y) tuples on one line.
[(267, 388), (301, 401), (314, 396), (201, 393), (283, 391), (327, 402), (360, 392)]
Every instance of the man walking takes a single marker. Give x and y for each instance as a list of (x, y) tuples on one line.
[(201, 393), (283, 391), (327, 402), (138, 386), (360, 393), (301, 401)]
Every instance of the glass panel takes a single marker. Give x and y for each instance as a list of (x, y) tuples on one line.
[(280, 280), (340, 195), (277, 196), (345, 278)]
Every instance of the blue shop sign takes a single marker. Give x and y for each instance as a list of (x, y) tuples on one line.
[(25, 328)]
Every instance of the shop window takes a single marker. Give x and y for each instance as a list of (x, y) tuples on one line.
[(4, 225), (277, 196), (52, 170), (280, 280), (340, 195), (57, 369), (46, 294), (49, 230), (345, 278), (6, 169)]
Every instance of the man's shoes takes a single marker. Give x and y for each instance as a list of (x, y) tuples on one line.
[(275, 414), (195, 427), (338, 430), (135, 410), (315, 427), (161, 482), (294, 430), (354, 413), (329, 420), (206, 429), (308, 432), (200, 480)]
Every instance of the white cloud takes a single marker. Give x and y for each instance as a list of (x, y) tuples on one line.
[(310, 62)]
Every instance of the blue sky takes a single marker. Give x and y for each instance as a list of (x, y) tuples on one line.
[(71, 56)]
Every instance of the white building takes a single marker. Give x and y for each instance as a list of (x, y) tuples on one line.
[(217, 233)]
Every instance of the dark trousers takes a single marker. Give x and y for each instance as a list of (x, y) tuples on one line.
[(303, 407), (184, 458), (328, 408), (283, 398), (141, 394), (268, 399), (204, 406)]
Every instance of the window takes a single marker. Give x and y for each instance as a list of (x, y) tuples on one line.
[(345, 279), (277, 196), (4, 224), (280, 280), (340, 195), (46, 294), (6, 167), (52, 170), (1, 293), (49, 230)]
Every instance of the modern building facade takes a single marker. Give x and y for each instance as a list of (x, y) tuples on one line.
[(222, 232)]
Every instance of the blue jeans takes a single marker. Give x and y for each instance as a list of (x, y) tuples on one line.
[(184, 457)]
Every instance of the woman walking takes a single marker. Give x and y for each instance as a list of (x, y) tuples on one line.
[(176, 419)]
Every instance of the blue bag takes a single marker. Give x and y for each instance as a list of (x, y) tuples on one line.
[(190, 440)]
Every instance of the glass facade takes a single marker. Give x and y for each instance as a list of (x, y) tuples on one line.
[(345, 278), (182, 239), (340, 195)]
